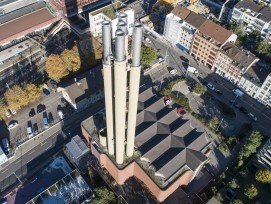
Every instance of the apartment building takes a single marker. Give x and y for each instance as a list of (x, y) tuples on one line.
[(180, 27), (256, 82), (232, 62), (110, 13), (208, 39), (254, 17)]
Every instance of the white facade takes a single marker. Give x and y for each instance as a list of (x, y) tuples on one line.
[(249, 86), (264, 94), (252, 22), (178, 31), (95, 22)]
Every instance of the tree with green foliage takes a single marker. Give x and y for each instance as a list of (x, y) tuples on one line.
[(233, 184), (219, 196), (104, 196), (199, 89), (55, 67), (71, 59), (250, 191), (148, 55), (261, 4), (214, 123), (263, 47), (255, 35), (32, 92), (252, 142), (237, 201), (263, 176)]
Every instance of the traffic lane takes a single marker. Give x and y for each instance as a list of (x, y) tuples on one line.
[(43, 142), (245, 99)]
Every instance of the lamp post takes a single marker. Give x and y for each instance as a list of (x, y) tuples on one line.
[(219, 124)]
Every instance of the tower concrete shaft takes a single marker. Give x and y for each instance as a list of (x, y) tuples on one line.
[(108, 90), (108, 85), (120, 83), (135, 71)]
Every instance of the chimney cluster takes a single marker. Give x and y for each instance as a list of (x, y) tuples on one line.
[(115, 87)]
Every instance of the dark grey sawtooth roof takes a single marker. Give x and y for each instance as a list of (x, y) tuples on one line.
[(167, 141)]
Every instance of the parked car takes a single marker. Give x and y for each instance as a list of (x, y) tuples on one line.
[(5, 145), (148, 40), (45, 122), (60, 114), (210, 86), (218, 92), (8, 114), (40, 108), (253, 117), (29, 132), (13, 111), (35, 128), (50, 118), (46, 92), (242, 109), (173, 71), (161, 60), (32, 112), (12, 125)]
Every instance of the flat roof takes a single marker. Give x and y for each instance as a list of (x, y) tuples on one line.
[(110, 10), (24, 23), (17, 5), (15, 49)]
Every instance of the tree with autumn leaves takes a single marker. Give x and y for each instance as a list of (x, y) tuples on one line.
[(16, 97), (60, 66)]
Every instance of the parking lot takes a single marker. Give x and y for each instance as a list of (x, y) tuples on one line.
[(18, 134)]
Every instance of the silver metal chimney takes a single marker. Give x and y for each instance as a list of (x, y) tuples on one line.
[(123, 17), (120, 46), (106, 32), (123, 26), (136, 44)]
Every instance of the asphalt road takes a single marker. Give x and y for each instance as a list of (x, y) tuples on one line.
[(178, 59), (51, 140)]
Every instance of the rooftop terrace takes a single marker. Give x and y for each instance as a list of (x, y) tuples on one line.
[(110, 11)]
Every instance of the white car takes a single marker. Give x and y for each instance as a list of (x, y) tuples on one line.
[(29, 132), (61, 115), (211, 86), (237, 92), (173, 71), (8, 114), (161, 60), (253, 117), (148, 40), (13, 111), (12, 125)]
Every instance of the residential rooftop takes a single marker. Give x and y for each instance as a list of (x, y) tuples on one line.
[(256, 74), (241, 57), (188, 16), (110, 11), (248, 5), (86, 85), (215, 31)]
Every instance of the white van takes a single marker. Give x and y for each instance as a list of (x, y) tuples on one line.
[(192, 70), (237, 92), (29, 132)]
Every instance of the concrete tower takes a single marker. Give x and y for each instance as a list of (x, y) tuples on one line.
[(115, 87)]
